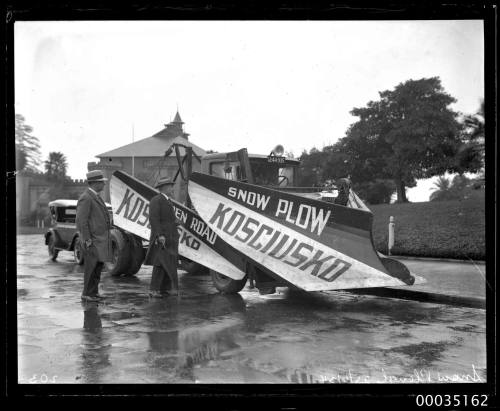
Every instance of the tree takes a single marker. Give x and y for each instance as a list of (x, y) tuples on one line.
[(27, 146), (376, 192), (470, 156), (442, 191), (331, 163), (475, 124), (461, 187), (310, 170), (56, 165), (334, 164), (409, 133)]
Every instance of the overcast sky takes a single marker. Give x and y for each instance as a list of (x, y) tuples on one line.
[(88, 87)]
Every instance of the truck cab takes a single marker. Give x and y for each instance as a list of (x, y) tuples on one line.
[(269, 171)]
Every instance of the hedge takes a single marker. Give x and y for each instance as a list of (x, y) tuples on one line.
[(442, 229)]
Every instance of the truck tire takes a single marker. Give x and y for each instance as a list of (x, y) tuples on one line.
[(120, 253), (51, 247), (77, 250), (137, 254), (225, 284)]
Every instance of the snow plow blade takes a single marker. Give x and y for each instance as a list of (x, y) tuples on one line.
[(130, 202), (311, 244)]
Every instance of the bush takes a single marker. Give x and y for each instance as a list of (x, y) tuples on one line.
[(376, 192), (444, 229)]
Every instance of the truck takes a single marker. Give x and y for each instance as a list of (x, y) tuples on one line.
[(242, 218)]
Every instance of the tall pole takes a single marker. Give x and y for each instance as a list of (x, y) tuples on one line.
[(133, 158)]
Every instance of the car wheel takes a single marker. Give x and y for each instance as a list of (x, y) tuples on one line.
[(53, 252), (226, 284), (77, 251)]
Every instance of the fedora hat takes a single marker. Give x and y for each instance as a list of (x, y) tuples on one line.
[(95, 175), (164, 181)]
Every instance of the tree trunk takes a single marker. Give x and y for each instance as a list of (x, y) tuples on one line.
[(401, 191)]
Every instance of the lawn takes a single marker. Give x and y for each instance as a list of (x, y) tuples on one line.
[(444, 229)]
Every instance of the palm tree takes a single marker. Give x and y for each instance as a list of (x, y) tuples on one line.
[(443, 189), (472, 150), (56, 165), (475, 123)]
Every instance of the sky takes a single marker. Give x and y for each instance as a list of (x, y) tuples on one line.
[(87, 87)]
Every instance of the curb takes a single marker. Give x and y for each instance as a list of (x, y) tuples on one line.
[(445, 260), (456, 300)]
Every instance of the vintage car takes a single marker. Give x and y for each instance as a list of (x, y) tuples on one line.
[(63, 234)]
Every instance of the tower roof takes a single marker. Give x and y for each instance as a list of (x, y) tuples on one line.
[(177, 118)]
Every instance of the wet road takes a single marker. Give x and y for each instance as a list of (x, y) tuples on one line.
[(205, 337)]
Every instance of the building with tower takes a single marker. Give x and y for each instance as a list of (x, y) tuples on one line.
[(145, 159)]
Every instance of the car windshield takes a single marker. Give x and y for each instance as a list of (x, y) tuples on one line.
[(65, 214)]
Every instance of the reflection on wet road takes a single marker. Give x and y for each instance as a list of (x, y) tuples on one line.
[(205, 337)]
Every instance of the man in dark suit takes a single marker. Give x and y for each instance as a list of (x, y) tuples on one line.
[(94, 224), (164, 242)]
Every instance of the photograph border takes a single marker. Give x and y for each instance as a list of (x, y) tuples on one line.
[(277, 395)]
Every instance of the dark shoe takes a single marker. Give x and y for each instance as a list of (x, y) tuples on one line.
[(89, 298), (155, 294), (98, 296)]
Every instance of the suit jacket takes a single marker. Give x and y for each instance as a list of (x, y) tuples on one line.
[(93, 222), (163, 222)]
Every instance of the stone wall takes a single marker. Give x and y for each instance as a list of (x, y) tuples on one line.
[(34, 191)]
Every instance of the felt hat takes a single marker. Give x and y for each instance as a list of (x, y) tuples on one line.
[(96, 175)]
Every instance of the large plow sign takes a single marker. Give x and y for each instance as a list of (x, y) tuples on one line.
[(312, 244)]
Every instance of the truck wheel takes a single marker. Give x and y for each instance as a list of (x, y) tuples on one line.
[(120, 253), (227, 285), (77, 251), (136, 254), (51, 247)]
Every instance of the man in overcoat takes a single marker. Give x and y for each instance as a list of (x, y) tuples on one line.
[(163, 248), (93, 223)]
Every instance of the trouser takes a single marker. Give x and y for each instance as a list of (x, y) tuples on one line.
[(92, 268), (162, 281)]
